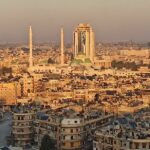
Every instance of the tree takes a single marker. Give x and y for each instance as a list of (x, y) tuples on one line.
[(50, 61), (47, 143), (117, 64)]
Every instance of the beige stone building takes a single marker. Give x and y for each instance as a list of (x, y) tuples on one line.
[(9, 92), (27, 85), (22, 128), (108, 141), (69, 130), (84, 41), (135, 53)]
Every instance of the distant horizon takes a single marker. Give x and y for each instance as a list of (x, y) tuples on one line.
[(112, 21), (58, 42)]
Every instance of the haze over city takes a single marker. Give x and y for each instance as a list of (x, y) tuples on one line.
[(74, 75), (112, 20)]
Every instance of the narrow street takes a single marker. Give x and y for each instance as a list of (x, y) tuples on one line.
[(5, 129)]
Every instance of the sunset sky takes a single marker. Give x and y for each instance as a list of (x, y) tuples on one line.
[(112, 20)]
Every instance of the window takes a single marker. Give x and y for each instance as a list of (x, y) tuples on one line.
[(144, 145), (63, 144), (72, 144), (71, 137), (136, 145)]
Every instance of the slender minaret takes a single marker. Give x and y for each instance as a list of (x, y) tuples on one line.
[(30, 45), (62, 46), (92, 45)]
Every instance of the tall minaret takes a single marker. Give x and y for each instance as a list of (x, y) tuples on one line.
[(62, 46), (30, 45)]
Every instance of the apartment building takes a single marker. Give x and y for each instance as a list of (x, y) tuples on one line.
[(22, 128), (68, 129)]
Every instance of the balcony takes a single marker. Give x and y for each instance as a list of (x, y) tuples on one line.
[(22, 138), (22, 133)]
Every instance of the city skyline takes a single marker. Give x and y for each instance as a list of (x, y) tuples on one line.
[(74, 75), (111, 20)]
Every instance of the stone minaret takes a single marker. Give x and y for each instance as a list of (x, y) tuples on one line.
[(62, 46), (92, 45), (30, 46)]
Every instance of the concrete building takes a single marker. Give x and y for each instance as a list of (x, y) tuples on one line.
[(135, 53), (102, 64), (84, 41), (68, 129), (9, 92), (126, 133), (22, 128), (27, 85)]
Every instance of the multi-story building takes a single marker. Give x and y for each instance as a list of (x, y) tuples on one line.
[(135, 53), (9, 91), (27, 85), (84, 41), (72, 133), (102, 64), (22, 128), (125, 133), (70, 130), (120, 140)]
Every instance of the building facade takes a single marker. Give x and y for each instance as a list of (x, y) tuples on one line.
[(22, 128), (69, 131), (84, 41), (9, 91)]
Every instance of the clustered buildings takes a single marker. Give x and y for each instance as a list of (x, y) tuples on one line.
[(78, 96), (67, 128), (126, 132)]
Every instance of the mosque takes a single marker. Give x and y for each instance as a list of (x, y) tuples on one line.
[(83, 52)]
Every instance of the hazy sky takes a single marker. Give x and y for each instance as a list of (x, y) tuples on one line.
[(112, 20)]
